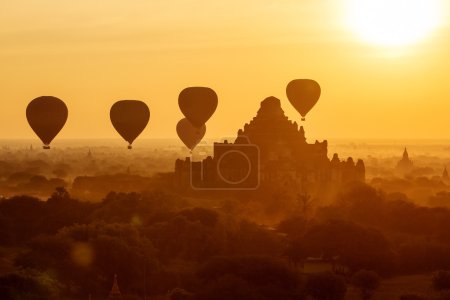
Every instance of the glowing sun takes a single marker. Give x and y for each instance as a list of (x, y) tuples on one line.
[(393, 22)]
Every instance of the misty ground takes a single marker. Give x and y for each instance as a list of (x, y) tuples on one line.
[(398, 220)]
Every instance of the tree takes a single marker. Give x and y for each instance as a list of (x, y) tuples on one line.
[(180, 294), (294, 226), (84, 257), (22, 216), (344, 242), (326, 286), (60, 194), (26, 286), (181, 238), (304, 200), (228, 288), (248, 278), (204, 216), (248, 238), (441, 281), (412, 297), (367, 282)]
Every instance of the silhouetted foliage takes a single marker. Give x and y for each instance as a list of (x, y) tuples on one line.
[(202, 215), (228, 287), (326, 286), (22, 216), (140, 207), (248, 238), (423, 255), (293, 227), (412, 297), (344, 243), (179, 237), (24, 286), (250, 277), (180, 294), (25, 217), (90, 254), (441, 281), (367, 282), (157, 241)]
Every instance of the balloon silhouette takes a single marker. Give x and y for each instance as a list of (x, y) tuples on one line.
[(129, 118), (47, 116), (197, 104), (189, 134), (303, 95)]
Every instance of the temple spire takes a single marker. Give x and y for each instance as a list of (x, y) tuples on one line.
[(405, 154), (115, 291), (302, 134), (405, 165)]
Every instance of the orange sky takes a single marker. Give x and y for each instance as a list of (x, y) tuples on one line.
[(92, 53)]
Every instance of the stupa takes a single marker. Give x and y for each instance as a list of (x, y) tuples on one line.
[(445, 175), (283, 158), (115, 293), (405, 165)]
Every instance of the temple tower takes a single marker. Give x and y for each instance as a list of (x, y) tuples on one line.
[(115, 293), (405, 165)]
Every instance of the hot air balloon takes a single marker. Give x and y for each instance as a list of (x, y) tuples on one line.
[(197, 104), (189, 134), (129, 118), (47, 116), (303, 95)]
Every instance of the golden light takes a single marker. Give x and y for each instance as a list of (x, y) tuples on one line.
[(82, 254), (393, 22)]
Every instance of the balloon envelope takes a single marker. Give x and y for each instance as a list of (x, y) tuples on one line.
[(129, 118), (198, 104), (189, 134), (47, 116), (303, 94)]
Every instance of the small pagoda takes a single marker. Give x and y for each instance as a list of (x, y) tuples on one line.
[(115, 293), (405, 165), (445, 175)]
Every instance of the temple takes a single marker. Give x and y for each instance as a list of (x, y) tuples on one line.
[(115, 294), (405, 165), (284, 158), (445, 176)]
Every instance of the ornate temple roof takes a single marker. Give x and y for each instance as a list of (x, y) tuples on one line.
[(115, 291), (279, 138)]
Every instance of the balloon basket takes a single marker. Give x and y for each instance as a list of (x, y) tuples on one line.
[(130, 147), (303, 119), (46, 147)]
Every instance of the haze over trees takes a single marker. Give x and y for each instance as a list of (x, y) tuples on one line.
[(70, 221)]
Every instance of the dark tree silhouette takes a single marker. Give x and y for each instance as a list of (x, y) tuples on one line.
[(326, 286), (367, 282), (346, 244), (441, 281)]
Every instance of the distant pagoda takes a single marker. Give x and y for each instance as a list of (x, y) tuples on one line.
[(405, 165), (115, 293), (445, 175)]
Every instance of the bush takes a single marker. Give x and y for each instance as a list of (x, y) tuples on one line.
[(326, 286), (367, 282), (247, 277), (412, 297), (441, 281)]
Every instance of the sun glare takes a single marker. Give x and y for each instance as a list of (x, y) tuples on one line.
[(393, 22)]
